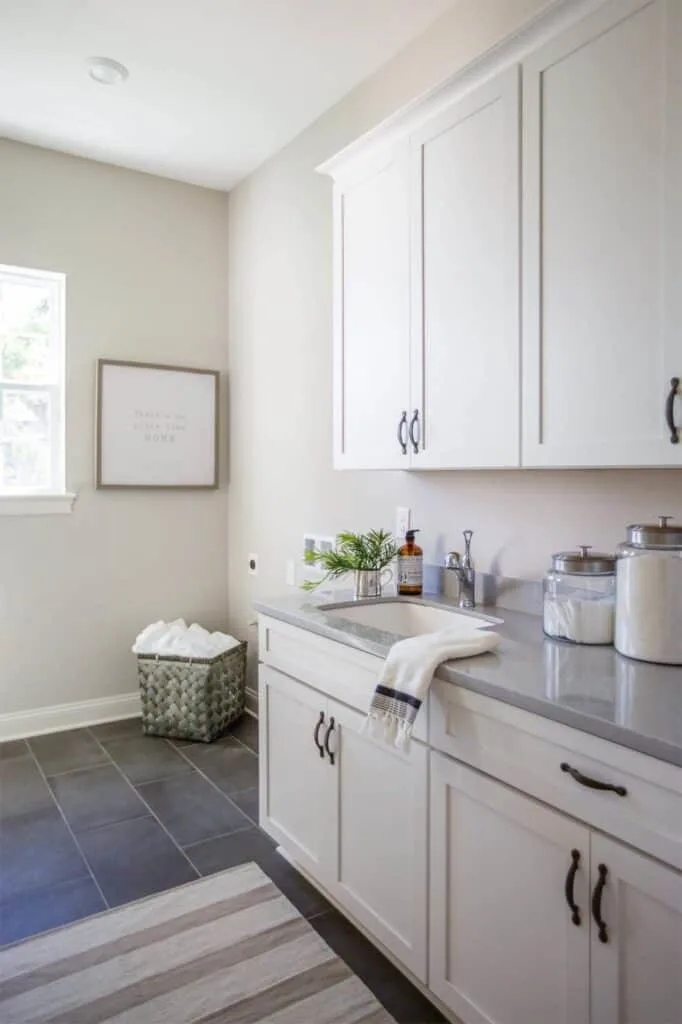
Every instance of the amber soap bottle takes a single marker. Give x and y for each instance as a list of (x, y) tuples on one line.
[(410, 566)]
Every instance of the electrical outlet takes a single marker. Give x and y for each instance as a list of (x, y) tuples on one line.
[(253, 565), (291, 573), (402, 522)]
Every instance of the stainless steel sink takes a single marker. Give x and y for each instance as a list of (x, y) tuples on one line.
[(408, 618)]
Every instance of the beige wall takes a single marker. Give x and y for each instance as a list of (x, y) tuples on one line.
[(280, 368), (146, 261)]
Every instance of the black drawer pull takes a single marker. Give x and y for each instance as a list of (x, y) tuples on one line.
[(316, 734), (568, 888), (670, 411), (596, 903), (585, 780), (327, 736), (402, 433)]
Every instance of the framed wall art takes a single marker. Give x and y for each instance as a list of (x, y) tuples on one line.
[(157, 426)]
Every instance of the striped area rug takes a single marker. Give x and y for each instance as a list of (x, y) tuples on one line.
[(229, 949)]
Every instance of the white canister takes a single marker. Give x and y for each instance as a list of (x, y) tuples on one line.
[(649, 593)]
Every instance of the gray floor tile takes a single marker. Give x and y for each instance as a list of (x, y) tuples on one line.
[(246, 731), (95, 797), (37, 850), (230, 766), (23, 790), (133, 859), (66, 751), (43, 909), (228, 851), (146, 758), (247, 801), (117, 730), (402, 1000), (13, 748), (192, 809)]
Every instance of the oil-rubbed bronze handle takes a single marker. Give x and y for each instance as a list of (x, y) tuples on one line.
[(316, 734), (415, 432), (585, 780), (327, 736), (569, 886), (402, 432), (670, 411), (596, 903)]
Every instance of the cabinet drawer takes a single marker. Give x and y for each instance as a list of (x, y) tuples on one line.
[(526, 751), (334, 669)]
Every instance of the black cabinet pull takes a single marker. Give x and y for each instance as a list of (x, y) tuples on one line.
[(402, 433), (596, 903), (327, 735), (670, 411), (316, 734), (585, 780), (568, 888), (415, 433)]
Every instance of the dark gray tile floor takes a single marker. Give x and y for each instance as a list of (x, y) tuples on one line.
[(94, 818)]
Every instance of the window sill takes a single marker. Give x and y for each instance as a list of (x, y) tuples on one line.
[(36, 504)]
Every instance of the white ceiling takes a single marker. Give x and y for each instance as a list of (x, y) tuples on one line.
[(215, 86)]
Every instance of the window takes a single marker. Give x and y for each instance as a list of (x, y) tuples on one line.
[(31, 382)]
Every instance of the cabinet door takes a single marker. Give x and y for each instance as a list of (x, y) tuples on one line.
[(297, 796), (503, 948), (381, 857), (465, 280), (372, 314), (637, 972), (602, 145)]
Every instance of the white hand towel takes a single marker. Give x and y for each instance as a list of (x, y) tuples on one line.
[(407, 674)]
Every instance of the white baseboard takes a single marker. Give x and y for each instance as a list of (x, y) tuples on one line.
[(19, 724)]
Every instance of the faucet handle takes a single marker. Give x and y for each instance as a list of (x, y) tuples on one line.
[(453, 560)]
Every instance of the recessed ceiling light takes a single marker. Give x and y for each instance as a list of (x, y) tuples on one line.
[(107, 71)]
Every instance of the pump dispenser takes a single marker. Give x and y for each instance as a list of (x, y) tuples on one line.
[(410, 566)]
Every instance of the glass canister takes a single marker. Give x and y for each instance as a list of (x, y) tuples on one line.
[(649, 603), (579, 597)]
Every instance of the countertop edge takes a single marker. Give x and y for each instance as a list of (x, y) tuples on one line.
[(610, 732)]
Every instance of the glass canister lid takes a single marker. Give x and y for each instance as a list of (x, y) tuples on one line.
[(659, 536), (583, 563)]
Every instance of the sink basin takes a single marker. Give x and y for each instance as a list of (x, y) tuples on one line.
[(408, 618)]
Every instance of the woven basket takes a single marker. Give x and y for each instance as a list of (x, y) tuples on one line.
[(192, 698)]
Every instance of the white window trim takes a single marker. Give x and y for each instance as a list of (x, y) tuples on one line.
[(54, 500)]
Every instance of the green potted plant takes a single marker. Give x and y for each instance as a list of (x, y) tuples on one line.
[(366, 555)]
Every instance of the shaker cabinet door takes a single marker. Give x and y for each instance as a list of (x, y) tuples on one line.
[(297, 797), (372, 315), (602, 240), (637, 970), (381, 861), (503, 946), (465, 280)]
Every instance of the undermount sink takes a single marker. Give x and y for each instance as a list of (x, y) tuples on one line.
[(408, 618)]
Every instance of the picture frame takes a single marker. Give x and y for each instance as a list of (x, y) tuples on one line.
[(157, 426)]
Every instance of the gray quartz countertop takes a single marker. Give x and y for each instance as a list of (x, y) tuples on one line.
[(594, 689)]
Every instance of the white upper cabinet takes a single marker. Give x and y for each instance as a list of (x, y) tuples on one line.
[(465, 280), (509, 257), (602, 164), (372, 313)]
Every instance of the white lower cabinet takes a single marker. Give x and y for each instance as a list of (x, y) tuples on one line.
[(637, 972), (382, 844), (354, 818), (503, 946), (510, 911), (297, 789)]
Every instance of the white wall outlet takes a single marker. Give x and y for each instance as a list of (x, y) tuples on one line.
[(291, 573), (253, 565), (402, 522)]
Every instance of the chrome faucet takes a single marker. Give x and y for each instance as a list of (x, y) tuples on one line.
[(462, 569)]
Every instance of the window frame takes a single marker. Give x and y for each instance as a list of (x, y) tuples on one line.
[(13, 498)]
